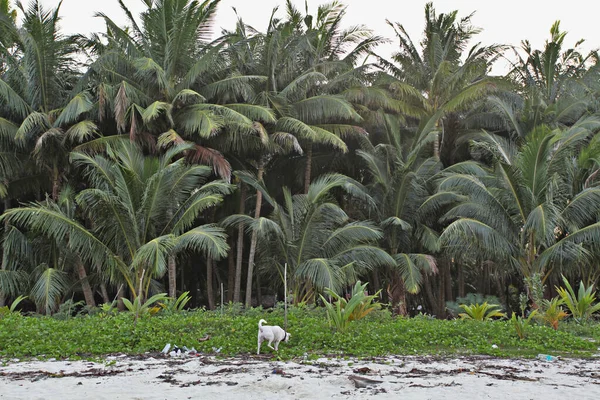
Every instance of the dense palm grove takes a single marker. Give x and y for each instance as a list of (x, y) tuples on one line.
[(155, 157)]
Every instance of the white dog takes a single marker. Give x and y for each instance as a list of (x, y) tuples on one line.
[(272, 334)]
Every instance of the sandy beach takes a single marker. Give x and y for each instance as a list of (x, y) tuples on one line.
[(159, 377)]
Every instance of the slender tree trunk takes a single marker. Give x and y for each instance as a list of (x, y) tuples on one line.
[(461, 281), (429, 295), (55, 183), (104, 292), (172, 272), (6, 207), (448, 281), (85, 284), (240, 248), (254, 238), (442, 296), (120, 294), (375, 281), (258, 292), (193, 285), (398, 295), (308, 168), (230, 274), (172, 269), (210, 294)]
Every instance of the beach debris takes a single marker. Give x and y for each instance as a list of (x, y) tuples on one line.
[(547, 357), (278, 371), (363, 370), (362, 382), (494, 346), (217, 350), (178, 351)]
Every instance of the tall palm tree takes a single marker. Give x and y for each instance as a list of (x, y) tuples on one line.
[(128, 201), (399, 186), (524, 211), (322, 247), (552, 88), (445, 79), (165, 78), (37, 90), (43, 268)]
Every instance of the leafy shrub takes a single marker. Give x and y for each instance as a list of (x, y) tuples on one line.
[(481, 312), (9, 310), (174, 306), (471, 298), (138, 309), (69, 309), (342, 311), (581, 304), (552, 312), (521, 324)]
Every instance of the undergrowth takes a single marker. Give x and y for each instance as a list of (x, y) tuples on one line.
[(234, 333)]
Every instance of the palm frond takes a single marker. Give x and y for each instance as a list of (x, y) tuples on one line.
[(77, 106)]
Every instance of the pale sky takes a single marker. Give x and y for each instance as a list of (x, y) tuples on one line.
[(503, 21)]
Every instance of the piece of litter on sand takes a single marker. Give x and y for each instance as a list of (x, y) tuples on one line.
[(362, 382), (363, 370), (178, 351)]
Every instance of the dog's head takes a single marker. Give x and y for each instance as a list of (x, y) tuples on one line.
[(287, 337)]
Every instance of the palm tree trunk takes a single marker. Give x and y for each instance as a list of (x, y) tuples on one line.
[(441, 298), (120, 294), (105, 297), (240, 248), (398, 295), (461, 281), (55, 183), (375, 281), (85, 284), (308, 168), (448, 281), (230, 274), (436, 141), (6, 207), (210, 293), (429, 295), (172, 271), (254, 239)]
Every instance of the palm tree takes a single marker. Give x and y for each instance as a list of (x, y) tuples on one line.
[(309, 60), (555, 87), (399, 186), (128, 205), (524, 211), (47, 270), (441, 80), (37, 90), (322, 247), (163, 77)]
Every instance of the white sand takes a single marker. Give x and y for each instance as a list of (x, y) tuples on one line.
[(237, 378)]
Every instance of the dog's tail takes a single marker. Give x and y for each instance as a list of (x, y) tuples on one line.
[(262, 321)]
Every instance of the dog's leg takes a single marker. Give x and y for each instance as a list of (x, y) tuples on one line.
[(269, 344), (277, 345), (259, 342)]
